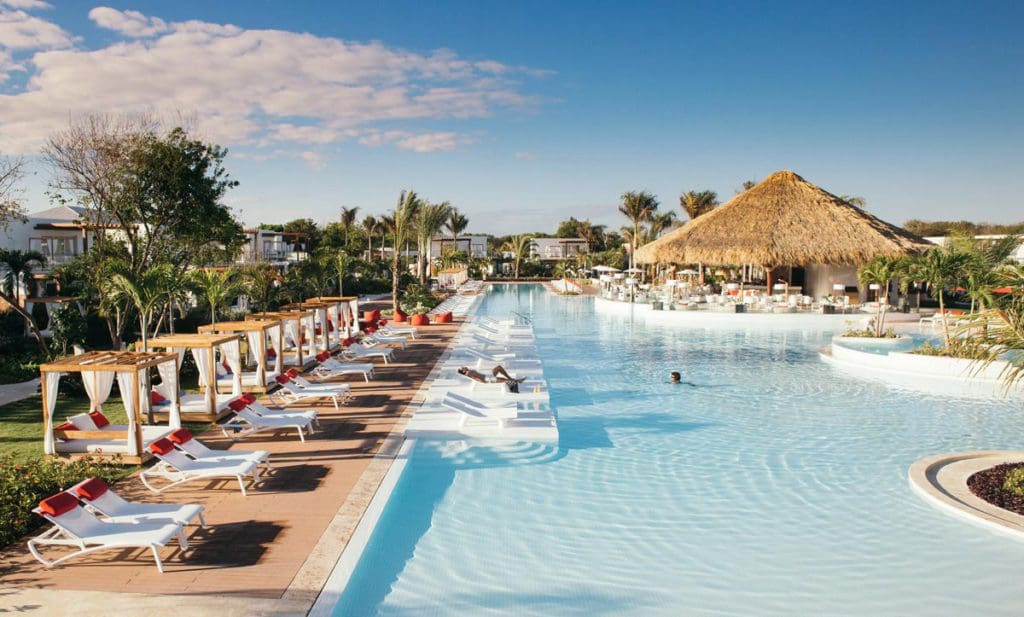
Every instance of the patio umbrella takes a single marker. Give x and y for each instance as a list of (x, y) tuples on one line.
[(783, 221)]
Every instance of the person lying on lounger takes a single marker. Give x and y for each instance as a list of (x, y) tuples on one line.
[(498, 372)]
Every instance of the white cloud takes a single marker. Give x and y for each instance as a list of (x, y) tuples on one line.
[(525, 156), (27, 5), (129, 23), (259, 88), (21, 31)]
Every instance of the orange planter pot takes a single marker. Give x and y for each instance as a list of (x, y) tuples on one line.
[(420, 319), (400, 317)]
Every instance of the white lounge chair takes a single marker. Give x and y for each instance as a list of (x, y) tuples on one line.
[(505, 344), (471, 409), (305, 384), (247, 422), (98, 496), (358, 350), (187, 443), (290, 393), (330, 368), (503, 333), (383, 339), (392, 330), (268, 412), (176, 467), (74, 526)]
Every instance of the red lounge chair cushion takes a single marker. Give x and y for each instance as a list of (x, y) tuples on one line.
[(348, 341), (181, 435), (291, 372), (237, 405), (58, 504), (91, 489), (226, 367), (161, 446), (323, 355), (155, 398), (99, 419), (370, 329), (318, 330), (248, 398), (67, 426), (330, 326), (271, 354), (382, 322), (282, 379)]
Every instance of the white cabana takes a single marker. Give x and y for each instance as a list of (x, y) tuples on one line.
[(90, 433), (298, 329), (214, 355), (262, 362)]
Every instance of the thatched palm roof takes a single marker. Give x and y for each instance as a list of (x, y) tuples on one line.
[(783, 221)]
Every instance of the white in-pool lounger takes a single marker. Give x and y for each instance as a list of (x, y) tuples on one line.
[(74, 526), (473, 409)]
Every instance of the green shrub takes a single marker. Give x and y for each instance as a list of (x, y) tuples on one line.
[(870, 333), (965, 348), (1014, 481), (24, 485), (418, 299)]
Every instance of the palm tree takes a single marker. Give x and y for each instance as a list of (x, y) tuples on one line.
[(261, 283), (520, 247), (430, 219), (18, 267), (401, 221), (880, 271), (661, 222), (696, 203), (348, 220), (939, 268), (339, 263), (639, 207), (145, 291), (176, 289), (456, 224), (371, 226), (854, 200), (216, 288), (984, 267)]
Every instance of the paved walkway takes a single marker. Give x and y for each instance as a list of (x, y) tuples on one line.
[(259, 546), (13, 392)]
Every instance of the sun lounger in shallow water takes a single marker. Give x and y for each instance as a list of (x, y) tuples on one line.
[(74, 526), (176, 467), (472, 409)]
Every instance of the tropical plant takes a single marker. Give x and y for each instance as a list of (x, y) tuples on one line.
[(17, 269), (216, 287), (854, 200), (262, 284), (371, 226), (696, 203), (939, 268), (880, 271), (348, 221), (145, 291), (639, 207), (983, 269), (456, 224), (400, 223), (430, 220), (67, 327), (339, 263), (520, 247)]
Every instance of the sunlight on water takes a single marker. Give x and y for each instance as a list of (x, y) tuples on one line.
[(768, 484)]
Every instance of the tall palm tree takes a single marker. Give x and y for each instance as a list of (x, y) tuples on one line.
[(17, 269), (696, 203), (639, 207), (984, 267), (939, 268), (371, 226), (261, 284), (520, 247), (401, 221), (145, 291), (339, 263), (216, 288), (348, 220), (430, 219), (456, 224), (660, 223)]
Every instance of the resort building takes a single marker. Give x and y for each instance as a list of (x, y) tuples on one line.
[(1017, 255), (474, 245), (60, 234), (558, 249), (277, 248)]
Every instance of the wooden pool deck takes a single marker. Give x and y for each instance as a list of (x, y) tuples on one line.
[(268, 553)]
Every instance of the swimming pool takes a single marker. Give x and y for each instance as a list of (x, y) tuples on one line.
[(769, 484)]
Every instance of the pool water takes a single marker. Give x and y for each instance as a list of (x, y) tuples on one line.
[(767, 484)]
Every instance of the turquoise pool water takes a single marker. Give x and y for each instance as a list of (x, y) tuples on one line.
[(768, 485)]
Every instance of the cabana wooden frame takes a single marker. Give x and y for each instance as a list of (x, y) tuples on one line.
[(263, 326), (208, 343), (117, 362), (303, 356)]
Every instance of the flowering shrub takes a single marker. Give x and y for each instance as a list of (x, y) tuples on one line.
[(24, 484), (1014, 481)]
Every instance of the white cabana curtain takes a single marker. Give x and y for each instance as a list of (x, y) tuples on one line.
[(333, 319), (275, 337), (252, 352), (202, 358), (291, 334), (232, 352), (168, 387), (309, 324), (128, 394), (52, 382), (97, 387), (325, 334), (346, 318)]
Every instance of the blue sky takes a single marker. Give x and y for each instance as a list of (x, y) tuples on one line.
[(537, 111)]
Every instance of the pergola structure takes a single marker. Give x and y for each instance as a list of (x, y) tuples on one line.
[(324, 334), (256, 333), (89, 433), (297, 347), (208, 406), (348, 311)]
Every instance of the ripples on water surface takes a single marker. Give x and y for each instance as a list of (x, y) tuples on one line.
[(770, 486)]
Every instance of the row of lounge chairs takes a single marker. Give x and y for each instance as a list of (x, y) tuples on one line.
[(90, 516)]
